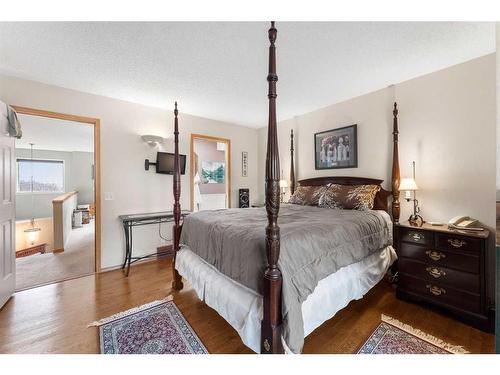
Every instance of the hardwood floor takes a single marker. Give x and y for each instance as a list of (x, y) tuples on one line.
[(54, 318)]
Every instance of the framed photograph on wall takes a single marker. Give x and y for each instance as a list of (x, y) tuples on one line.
[(244, 164), (213, 172), (336, 148)]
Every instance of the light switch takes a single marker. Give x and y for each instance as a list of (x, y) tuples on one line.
[(108, 196)]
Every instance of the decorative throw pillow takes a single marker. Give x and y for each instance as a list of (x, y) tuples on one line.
[(358, 197), (307, 195)]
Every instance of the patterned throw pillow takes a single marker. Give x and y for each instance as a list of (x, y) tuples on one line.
[(358, 197), (307, 195)]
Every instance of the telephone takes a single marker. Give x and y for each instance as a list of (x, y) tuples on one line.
[(464, 223)]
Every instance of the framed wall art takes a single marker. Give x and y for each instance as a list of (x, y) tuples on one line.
[(336, 148), (244, 164)]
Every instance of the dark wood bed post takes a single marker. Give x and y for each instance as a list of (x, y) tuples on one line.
[(396, 177), (270, 341), (176, 230), (292, 166)]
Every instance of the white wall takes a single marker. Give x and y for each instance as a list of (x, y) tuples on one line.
[(133, 189), (81, 176), (446, 124), (46, 234), (448, 128), (371, 112)]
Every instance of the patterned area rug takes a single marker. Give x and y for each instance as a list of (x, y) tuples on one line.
[(155, 328), (393, 337)]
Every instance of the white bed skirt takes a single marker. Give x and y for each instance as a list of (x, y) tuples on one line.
[(241, 307)]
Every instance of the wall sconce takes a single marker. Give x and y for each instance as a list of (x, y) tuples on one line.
[(152, 140)]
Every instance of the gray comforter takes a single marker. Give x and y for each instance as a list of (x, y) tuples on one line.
[(315, 243)]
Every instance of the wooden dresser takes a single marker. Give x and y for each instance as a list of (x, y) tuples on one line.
[(444, 268)]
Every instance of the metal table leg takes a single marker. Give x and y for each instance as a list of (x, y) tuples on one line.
[(130, 250), (127, 244)]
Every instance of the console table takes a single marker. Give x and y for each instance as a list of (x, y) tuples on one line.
[(135, 220)]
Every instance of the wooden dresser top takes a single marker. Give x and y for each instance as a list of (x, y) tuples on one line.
[(444, 229)]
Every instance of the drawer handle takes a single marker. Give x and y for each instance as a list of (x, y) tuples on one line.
[(435, 272), (435, 255), (416, 236), (456, 243), (437, 291)]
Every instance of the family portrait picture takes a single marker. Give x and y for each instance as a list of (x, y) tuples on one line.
[(336, 148)]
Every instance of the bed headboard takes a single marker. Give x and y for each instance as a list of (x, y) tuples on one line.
[(381, 199)]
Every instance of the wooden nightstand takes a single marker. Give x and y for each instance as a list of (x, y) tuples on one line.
[(445, 268)]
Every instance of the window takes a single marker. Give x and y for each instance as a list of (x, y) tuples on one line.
[(48, 176)]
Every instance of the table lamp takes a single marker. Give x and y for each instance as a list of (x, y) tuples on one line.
[(409, 185)]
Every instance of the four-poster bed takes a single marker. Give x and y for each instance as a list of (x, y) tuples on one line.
[(225, 251)]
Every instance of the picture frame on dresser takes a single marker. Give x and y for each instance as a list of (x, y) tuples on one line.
[(445, 269), (336, 148)]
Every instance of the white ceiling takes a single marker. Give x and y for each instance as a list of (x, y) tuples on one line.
[(218, 70), (54, 134)]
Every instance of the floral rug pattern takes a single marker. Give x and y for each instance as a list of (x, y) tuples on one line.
[(156, 328), (394, 337)]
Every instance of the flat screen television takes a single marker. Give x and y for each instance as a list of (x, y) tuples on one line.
[(165, 163)]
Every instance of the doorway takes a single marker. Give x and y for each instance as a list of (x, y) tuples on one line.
[(210, 177), (57, 165)]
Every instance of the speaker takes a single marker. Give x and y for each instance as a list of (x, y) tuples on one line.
[(244, 198)]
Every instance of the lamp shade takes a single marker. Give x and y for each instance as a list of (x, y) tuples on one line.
[(408, 184), (283, 184), (32, 235)]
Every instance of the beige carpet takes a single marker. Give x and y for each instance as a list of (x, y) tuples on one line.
[(76, 260)]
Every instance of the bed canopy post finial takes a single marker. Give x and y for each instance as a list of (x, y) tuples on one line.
[(272, 320), (396, 177), (176, 230), (292, 166)]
